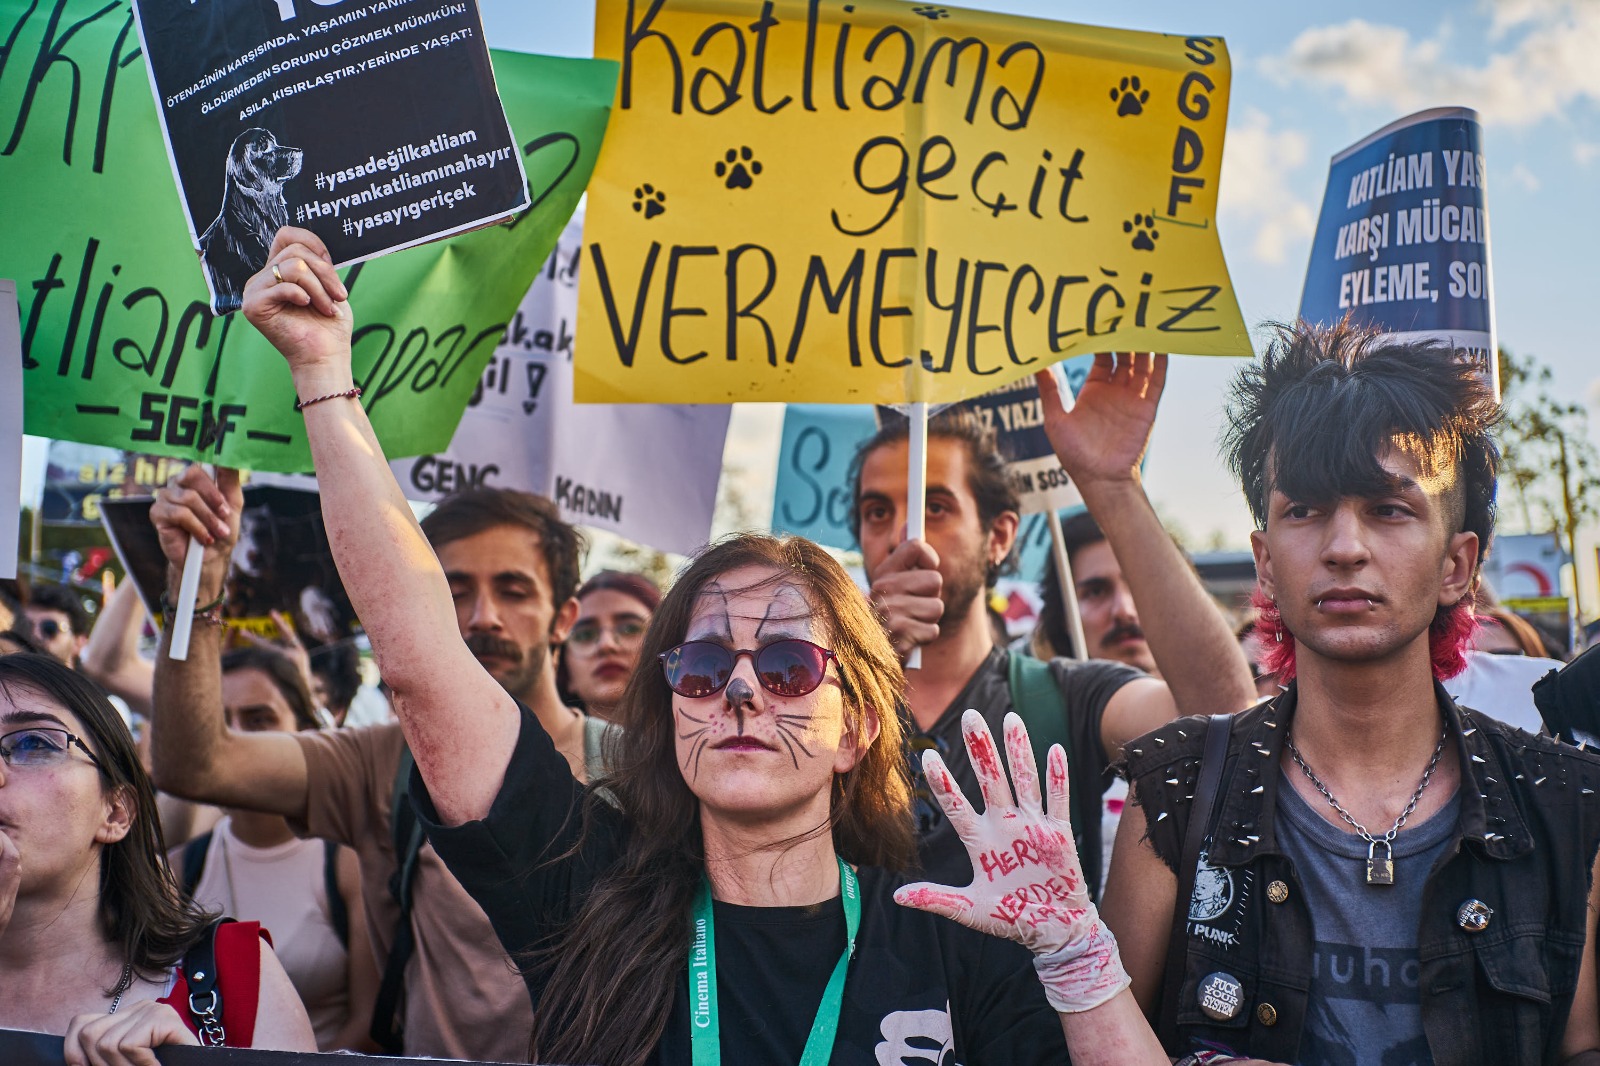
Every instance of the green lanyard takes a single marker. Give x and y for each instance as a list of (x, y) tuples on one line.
[(705, 1028)]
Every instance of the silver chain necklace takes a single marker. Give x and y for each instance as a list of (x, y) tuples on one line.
[(1380, 869), (123, 985)]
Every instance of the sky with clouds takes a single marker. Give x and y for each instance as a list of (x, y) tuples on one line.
[(1308, 81)]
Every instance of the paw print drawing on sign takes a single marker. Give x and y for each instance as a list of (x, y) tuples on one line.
[(1130, 97), (738, 167), (1145, 235), (649, 200), (929, 12)]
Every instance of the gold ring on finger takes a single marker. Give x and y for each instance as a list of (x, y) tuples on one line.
[(276, 274)]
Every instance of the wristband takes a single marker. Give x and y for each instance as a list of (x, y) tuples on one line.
[(352, 393), (1084, 973), (211, 613)]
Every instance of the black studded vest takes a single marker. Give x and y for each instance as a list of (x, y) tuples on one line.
[(1493, 991)]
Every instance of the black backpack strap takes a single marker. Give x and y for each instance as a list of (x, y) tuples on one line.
[(338, 913), (194, 863), (1200, 812), (205, 999), (407, 837)]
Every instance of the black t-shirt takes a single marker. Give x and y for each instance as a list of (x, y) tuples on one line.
[(920, 989), (1086, 688)]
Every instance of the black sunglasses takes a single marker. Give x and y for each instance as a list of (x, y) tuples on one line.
[(700, 668), (47, 628)]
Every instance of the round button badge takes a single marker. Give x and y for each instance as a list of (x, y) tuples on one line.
[(1221, 996), (1474, 915)]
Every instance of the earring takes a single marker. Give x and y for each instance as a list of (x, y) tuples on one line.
[(1278, 636)]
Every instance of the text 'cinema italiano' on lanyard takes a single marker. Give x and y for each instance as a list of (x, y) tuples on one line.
[(704, 1026)]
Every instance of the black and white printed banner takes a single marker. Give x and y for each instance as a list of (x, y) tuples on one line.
[(376, 125)]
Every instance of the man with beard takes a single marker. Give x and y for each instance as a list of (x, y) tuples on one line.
[(512, 567), (1110, 617), (930, 593)]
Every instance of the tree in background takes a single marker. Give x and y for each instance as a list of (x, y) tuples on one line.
[(1548, 460)]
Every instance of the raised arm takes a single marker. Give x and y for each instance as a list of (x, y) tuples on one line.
[(111, 658), (460, 724), (1101, 442), (193, 752)]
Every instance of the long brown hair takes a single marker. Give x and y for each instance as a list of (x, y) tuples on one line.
[(621, 955), (141, 910)]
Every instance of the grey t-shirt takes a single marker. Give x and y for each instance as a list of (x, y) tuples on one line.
[(1365, 1004)]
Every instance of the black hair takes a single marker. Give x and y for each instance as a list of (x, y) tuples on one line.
[(60, 598), (339, 666), (987, 478), (1313, 416), (23, 641), (284, 674), (472, 511)]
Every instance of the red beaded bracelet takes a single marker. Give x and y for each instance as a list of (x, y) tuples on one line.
[(355, 394)]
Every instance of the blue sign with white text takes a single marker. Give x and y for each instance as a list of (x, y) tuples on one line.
[(1402, 242)]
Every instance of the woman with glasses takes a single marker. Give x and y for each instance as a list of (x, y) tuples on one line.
[(727, 891), (92, 929), (602, 649)]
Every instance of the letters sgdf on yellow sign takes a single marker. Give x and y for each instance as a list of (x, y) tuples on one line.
[(881, 202)]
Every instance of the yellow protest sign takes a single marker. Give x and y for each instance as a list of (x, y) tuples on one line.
[(880, 202)]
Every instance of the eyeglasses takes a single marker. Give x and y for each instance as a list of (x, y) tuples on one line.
[(586, 634), (700, 668), (47, 628), (41, 746)]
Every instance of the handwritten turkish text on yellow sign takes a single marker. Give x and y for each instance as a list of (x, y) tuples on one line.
[(879, 202)]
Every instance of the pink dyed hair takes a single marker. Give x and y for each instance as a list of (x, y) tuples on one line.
[(1448, 638)]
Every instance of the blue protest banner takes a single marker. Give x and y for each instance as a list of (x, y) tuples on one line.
[(1402, 242), (812, 496)]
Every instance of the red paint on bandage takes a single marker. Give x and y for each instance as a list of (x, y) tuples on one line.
[(983, 755), (927, 897), (1019, 754)]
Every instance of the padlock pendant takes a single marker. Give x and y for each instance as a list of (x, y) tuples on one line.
[(1380, 868)]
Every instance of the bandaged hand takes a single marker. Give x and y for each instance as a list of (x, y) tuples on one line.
[(1028, 884)]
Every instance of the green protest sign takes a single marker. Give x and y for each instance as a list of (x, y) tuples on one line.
[(119, 345)]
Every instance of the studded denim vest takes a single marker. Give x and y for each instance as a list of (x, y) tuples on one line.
[(1497, 977)]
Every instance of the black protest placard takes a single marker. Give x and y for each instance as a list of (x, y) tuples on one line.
[(376, 125), (281, 563)]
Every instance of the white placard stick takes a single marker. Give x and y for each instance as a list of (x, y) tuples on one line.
[(917, 491), (1069, 588), (188, 589)]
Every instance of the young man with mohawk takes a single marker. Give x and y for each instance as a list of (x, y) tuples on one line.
[(1378, 875)]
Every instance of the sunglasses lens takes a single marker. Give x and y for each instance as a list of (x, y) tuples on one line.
[(698, 668), (49, 628), (791, 667)]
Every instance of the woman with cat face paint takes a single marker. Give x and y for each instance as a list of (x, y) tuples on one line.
[(728, 892)]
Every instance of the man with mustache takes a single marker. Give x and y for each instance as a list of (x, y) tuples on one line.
[(512, 568), (929, 593), (1105, 602)]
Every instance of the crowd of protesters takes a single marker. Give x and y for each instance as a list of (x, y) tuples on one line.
[(595, 823)]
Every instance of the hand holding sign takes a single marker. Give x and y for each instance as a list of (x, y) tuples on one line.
[(193, 505), (299, 304), (124, 1038), (1027, 884), (907, 590), (1103, 436)]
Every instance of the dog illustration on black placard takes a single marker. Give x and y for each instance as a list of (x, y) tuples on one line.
[(235, 246)]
